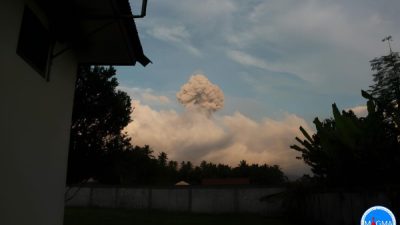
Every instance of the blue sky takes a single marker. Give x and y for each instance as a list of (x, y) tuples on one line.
[(271, 59)]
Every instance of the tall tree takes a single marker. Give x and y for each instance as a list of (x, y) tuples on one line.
[(162, 159), (386, 87), (100, 113)]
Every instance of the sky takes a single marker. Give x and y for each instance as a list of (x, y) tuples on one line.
[(234, 79)]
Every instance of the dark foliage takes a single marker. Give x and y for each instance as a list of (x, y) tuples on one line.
[(141, 167), (347, 150), (100, 113), (351, 151), (386, 87)]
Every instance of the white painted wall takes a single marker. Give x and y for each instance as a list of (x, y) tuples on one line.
[(35, 120), (180, 199)]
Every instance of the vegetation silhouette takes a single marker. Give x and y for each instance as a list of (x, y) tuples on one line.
[(386, 87), (350, 151), (100, 112), (140, 167), (353, 159)]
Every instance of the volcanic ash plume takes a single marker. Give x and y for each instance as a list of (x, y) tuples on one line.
[(200, 94)]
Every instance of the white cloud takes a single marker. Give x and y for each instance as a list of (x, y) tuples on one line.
[(146, 95), (360, 111), (207, 9), (177, 35), (173, 34), (205, 16), (279, 66), (329, 23), (247, 60), (226, 139), (323, 42)]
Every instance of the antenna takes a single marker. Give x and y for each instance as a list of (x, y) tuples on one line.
[(388, 39)]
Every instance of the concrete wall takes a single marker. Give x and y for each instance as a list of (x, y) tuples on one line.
[(170, 199), (339, 207), (187, 199), (320, 208), (35, 120)]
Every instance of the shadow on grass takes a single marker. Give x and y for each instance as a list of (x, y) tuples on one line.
[(101, 216)]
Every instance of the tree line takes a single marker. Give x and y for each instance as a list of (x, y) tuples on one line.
[(100, 150), (139, 166)]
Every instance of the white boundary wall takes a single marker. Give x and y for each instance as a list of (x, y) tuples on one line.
[(187, 199)]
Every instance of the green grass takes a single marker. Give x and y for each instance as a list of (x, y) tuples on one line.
[(97, 216)]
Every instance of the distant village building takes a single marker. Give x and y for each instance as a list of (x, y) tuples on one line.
[(225, 181), (42, 43)]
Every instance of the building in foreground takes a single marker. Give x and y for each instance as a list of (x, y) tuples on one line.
[(41, 44)]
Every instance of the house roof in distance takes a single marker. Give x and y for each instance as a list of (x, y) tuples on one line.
[(100, 31), (182, 183)]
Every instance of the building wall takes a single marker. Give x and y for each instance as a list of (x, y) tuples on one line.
[(345, 208), (35, 120), (180, 199), (330, 208)]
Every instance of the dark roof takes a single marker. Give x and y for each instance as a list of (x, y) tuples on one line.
[(100, 31), (130, 25)]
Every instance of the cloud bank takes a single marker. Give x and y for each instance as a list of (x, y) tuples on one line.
[(360, 111), (194, 135)]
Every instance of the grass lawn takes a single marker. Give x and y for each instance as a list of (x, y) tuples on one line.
[(97, 216)]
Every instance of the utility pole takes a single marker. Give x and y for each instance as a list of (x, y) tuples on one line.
[(388, 39)]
